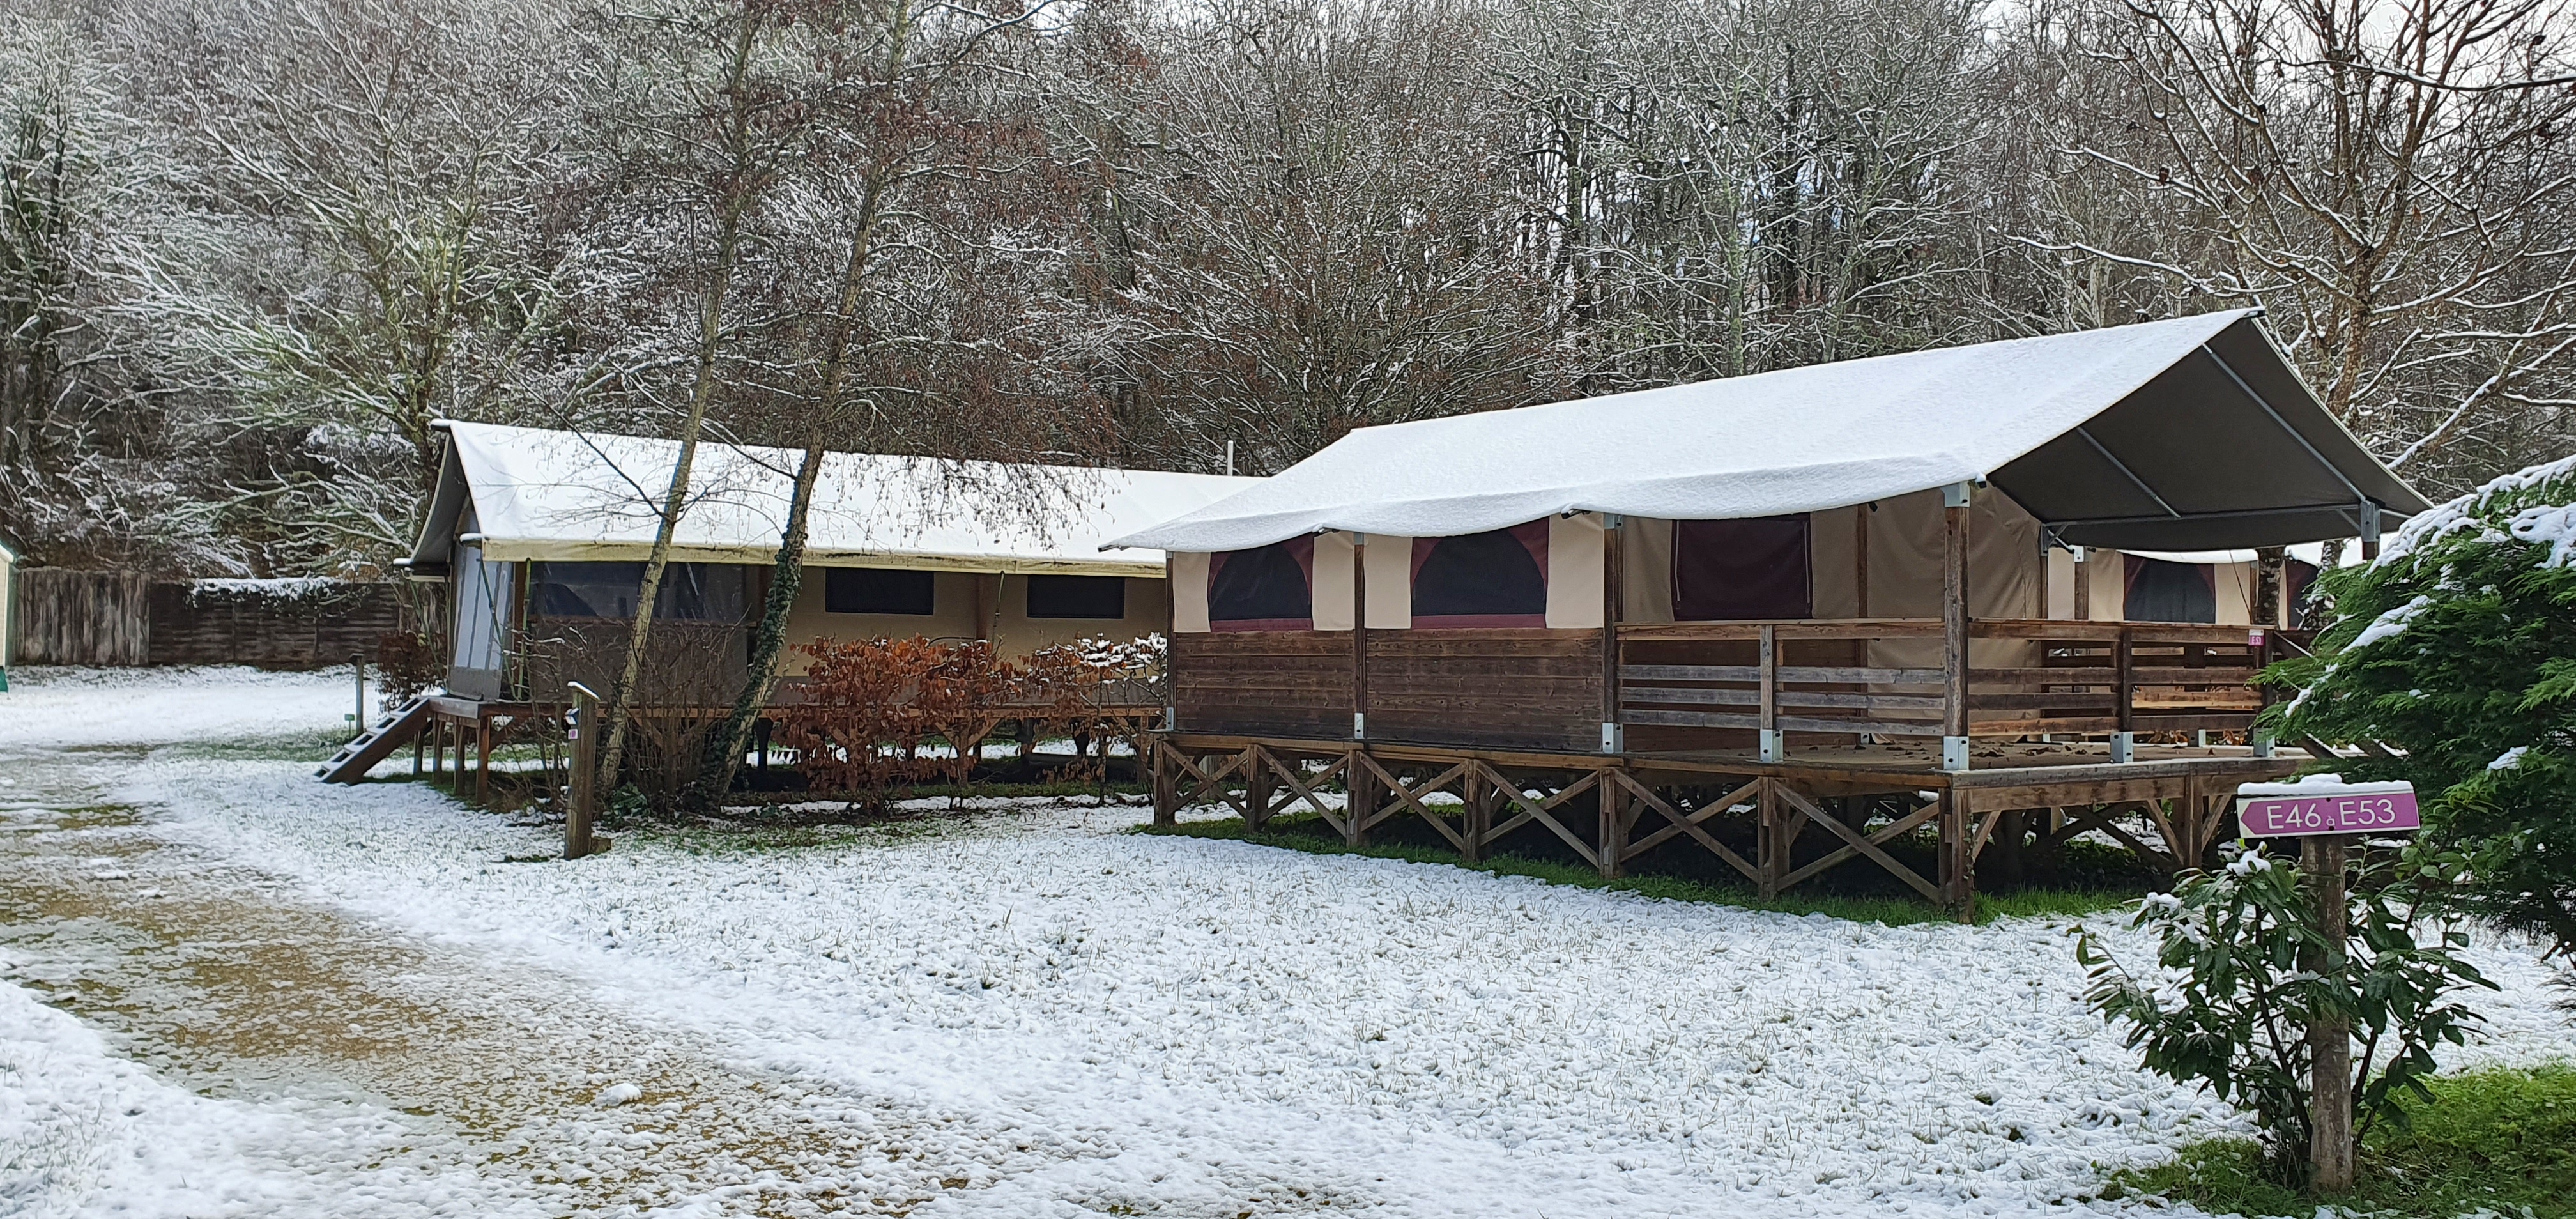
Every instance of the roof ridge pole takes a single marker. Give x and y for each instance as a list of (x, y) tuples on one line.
[(2123, 468), (2284, 424), (1954, 625)]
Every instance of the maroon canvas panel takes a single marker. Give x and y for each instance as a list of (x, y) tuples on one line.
[(2161, 591), (1733, 571), (1272, 588), (1496, 579)]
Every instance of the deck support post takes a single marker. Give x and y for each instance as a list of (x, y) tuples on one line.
[(482, 761), (1363, 802), (1479, 815), (1260, 792), (1611, 844), (1167, 797), (1958, 856), (1954, 626), (1773, 862)]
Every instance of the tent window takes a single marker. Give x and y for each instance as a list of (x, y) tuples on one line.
[(1729, 571), (1269, 589), (1482, 579), (2171, 592), (1077, 597), (691, 592), (876, 590)]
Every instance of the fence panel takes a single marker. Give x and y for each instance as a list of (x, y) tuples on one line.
[(81, 617)]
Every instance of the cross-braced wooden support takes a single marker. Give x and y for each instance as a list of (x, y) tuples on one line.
[(1612, 811)]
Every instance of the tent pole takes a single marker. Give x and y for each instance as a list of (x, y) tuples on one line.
[(1613, 573), (1954, 626), (1860, 560), (1359, 639)]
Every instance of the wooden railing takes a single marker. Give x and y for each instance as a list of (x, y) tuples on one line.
[(1891, 677)]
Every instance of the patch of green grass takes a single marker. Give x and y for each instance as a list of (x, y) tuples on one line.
[(287, 747), (1308, 832), (2502, 1141)]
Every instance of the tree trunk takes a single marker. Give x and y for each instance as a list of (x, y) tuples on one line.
[(702, 389)]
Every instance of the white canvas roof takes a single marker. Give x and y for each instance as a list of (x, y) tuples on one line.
[(2186, 434), (537, 494)]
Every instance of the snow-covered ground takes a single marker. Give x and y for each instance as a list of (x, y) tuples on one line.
[(1027, 1011)]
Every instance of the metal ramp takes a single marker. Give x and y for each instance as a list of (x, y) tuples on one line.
[(398, 728)]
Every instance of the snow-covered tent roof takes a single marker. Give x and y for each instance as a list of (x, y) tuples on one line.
[(2189, 434), (537, 494)]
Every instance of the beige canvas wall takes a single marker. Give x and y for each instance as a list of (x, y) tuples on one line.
[(952, 616), (1390, 582), (1575, 570), (971, 605), (1189, 593), (1645, 570)]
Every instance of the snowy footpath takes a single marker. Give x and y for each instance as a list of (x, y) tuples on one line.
[(230, 989)]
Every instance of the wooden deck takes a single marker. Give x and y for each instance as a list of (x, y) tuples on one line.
[(2168, 804)]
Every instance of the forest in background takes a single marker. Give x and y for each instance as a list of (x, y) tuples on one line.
[(249, 249)]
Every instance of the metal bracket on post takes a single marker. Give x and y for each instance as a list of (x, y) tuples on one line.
[(2262, 744), (1954, 753), (2124, 747), (1955, 495), (2369, 529), (1171, 718), (1775, 745), (1614, 738), (1359, 725)]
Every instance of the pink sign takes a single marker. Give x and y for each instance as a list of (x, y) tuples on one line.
[(2373, 808)]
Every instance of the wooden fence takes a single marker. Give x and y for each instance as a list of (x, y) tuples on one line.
[(115, 618)]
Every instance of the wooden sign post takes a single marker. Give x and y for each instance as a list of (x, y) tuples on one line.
[(2327, 818), (582, 737)]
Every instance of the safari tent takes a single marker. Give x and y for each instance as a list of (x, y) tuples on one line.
[(1831, 579), (540, 538)]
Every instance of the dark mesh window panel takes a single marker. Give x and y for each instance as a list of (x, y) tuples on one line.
[(1482, 579), (691, 592), (876, 590), (1077, 597), (1732, 571), (2171, 592), (1265, 589)]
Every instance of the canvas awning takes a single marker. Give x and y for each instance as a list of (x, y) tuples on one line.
[(2189, 434), (537, 494)]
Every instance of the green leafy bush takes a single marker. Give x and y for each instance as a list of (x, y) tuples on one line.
[(2242, 967), (2458, 648)]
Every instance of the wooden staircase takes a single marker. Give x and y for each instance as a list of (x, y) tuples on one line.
[(398, 728)]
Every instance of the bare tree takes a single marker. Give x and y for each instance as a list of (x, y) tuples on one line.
[(2389, 178)]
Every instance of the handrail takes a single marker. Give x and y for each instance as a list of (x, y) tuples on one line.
[(2066, 629), (2090, 677)]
